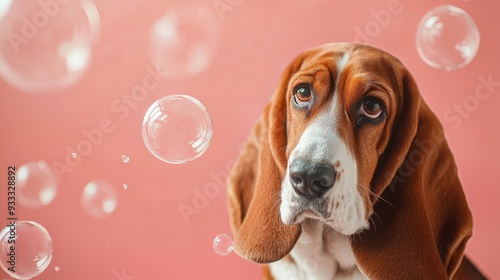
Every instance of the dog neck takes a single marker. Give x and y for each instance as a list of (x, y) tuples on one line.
[(321, 253)]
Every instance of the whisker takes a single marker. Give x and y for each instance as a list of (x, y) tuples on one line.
[(377, 217), (377, 196), (277, 199), (373, 222)]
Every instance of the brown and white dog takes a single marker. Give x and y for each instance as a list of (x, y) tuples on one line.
[(347, 175)]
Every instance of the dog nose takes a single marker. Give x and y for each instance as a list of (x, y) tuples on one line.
[(311, 180)]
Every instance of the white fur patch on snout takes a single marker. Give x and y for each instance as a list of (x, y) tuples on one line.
[(341, 207)]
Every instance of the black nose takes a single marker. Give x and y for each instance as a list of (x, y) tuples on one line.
[(311, 180)]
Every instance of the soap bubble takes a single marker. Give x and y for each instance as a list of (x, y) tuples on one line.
[(223, 244), (99, 199), (177, 129), (125, 186), (447, 38), (33, 249), (36, 184), (125, 158), (46, 45), (184, 41)]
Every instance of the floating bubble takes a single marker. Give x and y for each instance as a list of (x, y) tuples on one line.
[(447, 38), (125, 186), (36, 184), (33, 249), (46, 45), (99, 199), (74, 155), (125, 158), (177, 129), (184, 41), (223, 244)]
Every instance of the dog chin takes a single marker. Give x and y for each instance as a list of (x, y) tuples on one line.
[(297, 216)]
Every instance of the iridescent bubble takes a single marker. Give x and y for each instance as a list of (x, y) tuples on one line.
[(125, 158), (223, 244), (184, 41), (33, 249), (177, 129), (36, 184), (46, 45), (447, 38), (99, 199)]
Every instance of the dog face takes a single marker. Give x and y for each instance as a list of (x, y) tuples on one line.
[(344, 124), (340, 106)]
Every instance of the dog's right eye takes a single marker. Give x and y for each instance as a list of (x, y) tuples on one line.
[(302, 94)]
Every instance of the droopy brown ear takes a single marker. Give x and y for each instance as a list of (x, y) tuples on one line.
[(254, 186), (422, 223)]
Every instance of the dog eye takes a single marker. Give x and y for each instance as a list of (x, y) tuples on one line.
[(302, 94), (371, 108)]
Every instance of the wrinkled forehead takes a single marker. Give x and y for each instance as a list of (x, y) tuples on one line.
[(355, 60)]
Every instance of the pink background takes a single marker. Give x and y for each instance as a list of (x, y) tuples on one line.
[(147, 236)]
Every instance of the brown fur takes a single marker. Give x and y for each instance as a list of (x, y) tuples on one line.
[(422, 219)]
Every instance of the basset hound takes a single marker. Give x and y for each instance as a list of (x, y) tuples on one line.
[(347, 175)]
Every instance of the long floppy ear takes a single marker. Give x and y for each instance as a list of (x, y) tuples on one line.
[(254, 186), (422, 222)]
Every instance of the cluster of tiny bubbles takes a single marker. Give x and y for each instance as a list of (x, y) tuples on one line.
[(36, 184), (223, 244), (447, 38), (33, 249), (184, 41), (177, 129), (99, 199), (125, 158), (46, 45)]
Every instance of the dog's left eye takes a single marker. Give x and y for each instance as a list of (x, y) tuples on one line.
[(302, 94), (371, 108)]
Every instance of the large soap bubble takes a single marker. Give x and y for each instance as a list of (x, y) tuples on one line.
[(46, 45), (447, 38)]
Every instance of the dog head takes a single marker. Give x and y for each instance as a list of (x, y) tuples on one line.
[(344, 119)]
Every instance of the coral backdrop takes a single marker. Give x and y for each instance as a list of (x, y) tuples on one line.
[(168, 215)]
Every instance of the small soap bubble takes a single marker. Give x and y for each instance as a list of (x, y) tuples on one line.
[(184, 41), (74, 155), (125, 186), (125, 158), (36, 184), (33, 249), (447, 38), (223, 244), (47, 44), (177, 129), (57, 269), (99, 199)]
